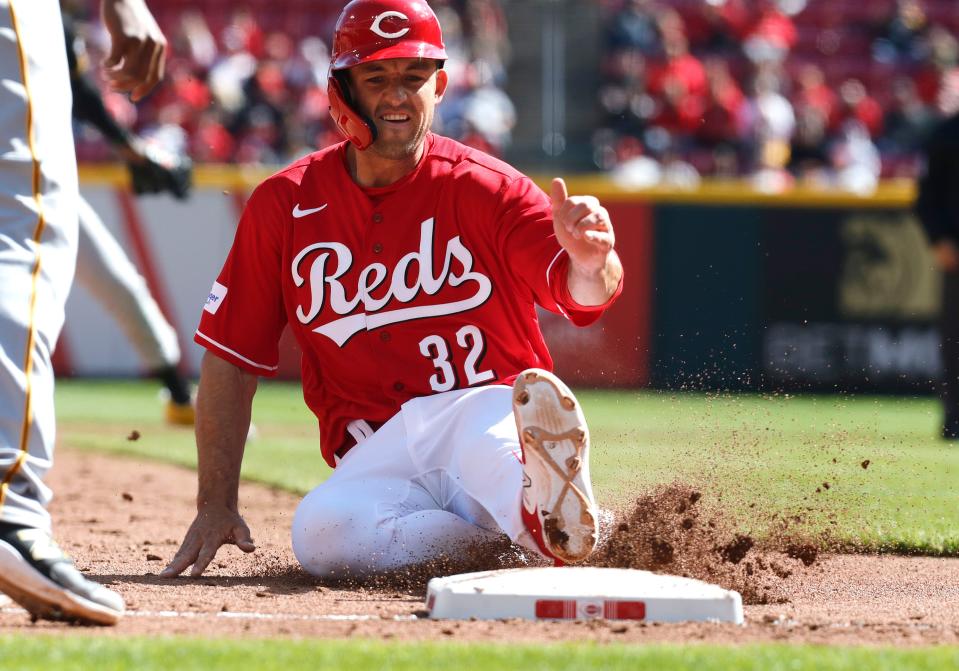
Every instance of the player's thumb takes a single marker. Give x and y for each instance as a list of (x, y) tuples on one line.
[(558, 192)]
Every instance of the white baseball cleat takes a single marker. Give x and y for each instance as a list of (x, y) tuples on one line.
[(558, 507)]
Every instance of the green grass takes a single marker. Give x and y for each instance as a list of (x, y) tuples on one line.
[(771, 453), (42, 653)]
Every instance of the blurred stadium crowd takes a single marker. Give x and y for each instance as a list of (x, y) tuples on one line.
[(246, 81), (832, 93)]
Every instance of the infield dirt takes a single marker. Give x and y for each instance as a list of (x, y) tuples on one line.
[(123, 519)]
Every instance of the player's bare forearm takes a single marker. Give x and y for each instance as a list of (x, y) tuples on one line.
[(223, 406), (222, 421), (589, 286)]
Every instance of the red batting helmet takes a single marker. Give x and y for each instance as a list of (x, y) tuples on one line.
[(374, 30)]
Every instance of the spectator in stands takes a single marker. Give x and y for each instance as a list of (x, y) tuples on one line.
[(855, 159), (679, 112), (677, 172), (212, 142), (814, 93), (634, 28), (680, 69), (900, 38), (655, 84), (718, 28), (724, 109), (770, 125), (772, 35), (487, 110), (856, 104), (624, 98), (259, 123), (632, 167), (192, 38), (234, 66), (943, 59), (315, 54), (907, 122), (488, 37), (809, 152), (245, 28)]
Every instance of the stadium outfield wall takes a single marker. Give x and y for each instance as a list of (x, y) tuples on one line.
[(728, 288)]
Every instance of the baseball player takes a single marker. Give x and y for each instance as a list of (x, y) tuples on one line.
[(103, 268), (409, 268), (38, 238)]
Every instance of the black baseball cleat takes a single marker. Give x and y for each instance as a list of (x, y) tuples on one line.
[(39, 576)]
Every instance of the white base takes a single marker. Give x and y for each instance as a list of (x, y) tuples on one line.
[(580, 593)]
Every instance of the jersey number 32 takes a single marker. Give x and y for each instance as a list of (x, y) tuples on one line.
[(435, 348)]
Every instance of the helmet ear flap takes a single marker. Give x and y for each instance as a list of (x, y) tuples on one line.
[(356, 127)]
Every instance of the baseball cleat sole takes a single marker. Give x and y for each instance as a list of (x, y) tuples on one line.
[(555, 441), (45, 599)]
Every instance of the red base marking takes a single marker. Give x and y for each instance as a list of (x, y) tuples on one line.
[(570, 609)]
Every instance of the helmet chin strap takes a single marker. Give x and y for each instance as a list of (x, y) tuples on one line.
[(358, 128)]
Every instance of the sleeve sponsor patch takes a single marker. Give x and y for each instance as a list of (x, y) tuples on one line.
[(215, 299)]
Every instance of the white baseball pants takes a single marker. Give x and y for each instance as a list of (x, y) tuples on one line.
[(38, 243), (442, 474)]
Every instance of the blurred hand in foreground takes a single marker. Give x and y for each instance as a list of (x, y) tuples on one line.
[(137, 47)]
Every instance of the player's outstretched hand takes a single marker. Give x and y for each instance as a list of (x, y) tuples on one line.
[(582, 227), (212, 528), (137, 47)]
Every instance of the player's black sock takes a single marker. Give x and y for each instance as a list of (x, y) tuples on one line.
[(176, 383)]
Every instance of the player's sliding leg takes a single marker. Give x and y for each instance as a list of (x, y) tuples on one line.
[(344, 530), (475, 434), (445, 474), (105, 270), (382, 509)]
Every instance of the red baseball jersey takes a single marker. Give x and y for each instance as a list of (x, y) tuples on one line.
[(424, 286)]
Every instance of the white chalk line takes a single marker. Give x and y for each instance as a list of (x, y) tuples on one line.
[(242, 615)]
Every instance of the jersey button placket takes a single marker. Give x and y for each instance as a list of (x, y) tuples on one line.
[(399, 386), (378, 248), (377, 217), (385, 336)]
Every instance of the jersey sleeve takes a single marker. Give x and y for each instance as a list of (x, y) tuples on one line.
[(533, 254), (243, 317)]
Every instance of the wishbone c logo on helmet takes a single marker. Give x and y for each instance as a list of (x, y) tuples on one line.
[(390, 15), (374, 30)]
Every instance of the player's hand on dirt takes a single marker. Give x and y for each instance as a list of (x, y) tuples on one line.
[(137, 47), (212, 528), (582, 227)]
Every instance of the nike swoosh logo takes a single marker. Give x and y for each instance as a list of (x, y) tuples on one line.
[(298, 213)]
